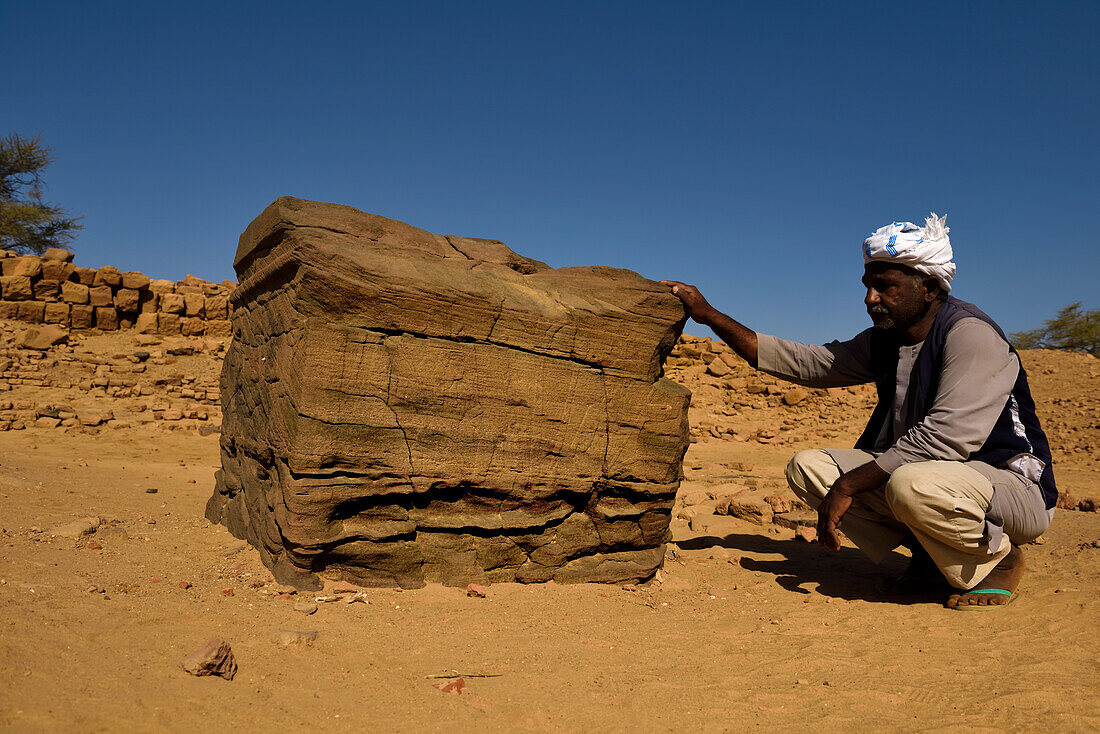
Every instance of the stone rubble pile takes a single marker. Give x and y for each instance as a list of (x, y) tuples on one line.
[(52, 290), (119, 380), (732, 401)]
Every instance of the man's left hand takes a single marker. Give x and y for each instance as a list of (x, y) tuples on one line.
[(839, 499), (829, 513)]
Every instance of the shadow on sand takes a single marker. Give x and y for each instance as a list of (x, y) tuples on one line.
[(846, 574)]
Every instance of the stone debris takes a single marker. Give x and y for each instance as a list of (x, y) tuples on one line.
[(294, 638), (805, 533), (796, 519), (475, 590), (305, 606), (456, 686), (213, 658), (78, 528), (42, 337), (436, 408)]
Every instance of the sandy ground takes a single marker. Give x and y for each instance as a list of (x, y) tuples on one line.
[(747, 627)]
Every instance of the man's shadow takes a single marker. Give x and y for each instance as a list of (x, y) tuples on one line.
[(845, 574)]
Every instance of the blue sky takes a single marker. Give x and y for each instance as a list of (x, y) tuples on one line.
[(747, 148)]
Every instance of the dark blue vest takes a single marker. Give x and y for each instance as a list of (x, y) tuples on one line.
[(1017, 429)]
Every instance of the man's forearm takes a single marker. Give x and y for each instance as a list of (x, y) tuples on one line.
[(739, 337), (864, 478)]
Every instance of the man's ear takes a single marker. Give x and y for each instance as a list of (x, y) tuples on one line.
[(932, 289)]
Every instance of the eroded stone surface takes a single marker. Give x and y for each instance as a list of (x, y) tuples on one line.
[(402, 407)]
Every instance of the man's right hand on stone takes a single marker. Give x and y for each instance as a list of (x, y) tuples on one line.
[(694, 304), (737, 336)]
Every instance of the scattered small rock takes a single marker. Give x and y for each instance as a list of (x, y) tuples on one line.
[(78, 528), (779, 504), (475, 590), (41, 338), (795, 396), (796, 519), (456, 686), (213, 658), (151, 490), (293, 638), (305, 606), (112, 531)]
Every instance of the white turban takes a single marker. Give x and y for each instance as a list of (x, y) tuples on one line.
[(926, 249)]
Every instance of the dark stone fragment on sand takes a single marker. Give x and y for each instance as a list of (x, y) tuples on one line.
[(294, 638), (796, 519), (213, 658)]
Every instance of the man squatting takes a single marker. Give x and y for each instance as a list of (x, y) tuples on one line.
[(953, 463)]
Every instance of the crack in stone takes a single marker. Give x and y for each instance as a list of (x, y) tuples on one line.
[(387, 401), (472, 340), (455, 247)]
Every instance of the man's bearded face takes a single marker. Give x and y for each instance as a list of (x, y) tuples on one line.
[(896, 296)]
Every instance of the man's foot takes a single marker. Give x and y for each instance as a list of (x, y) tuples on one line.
[(921, 577), (995, 590)]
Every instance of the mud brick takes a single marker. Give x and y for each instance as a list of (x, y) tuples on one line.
[(16, 288), (135, 281), (47, 290), (106, 318), (194, 304), (192, 326), (84, 276), (101, 295), (81, 316), (171, 303), (219, 328), (57, 269), (108, 275), (217, 307), (8, 309), (162, 286), (146, 323), (168, 324), (57, 313), (149, 301), (28, 265), (127, 300), (74, 292), (59, 255), (31, 311)]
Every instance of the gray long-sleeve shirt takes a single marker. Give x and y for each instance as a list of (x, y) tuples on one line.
[(979, 371)]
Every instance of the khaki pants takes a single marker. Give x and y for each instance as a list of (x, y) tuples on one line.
[(943, 503)]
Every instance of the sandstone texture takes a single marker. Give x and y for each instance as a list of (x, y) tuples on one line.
[(402, 407)]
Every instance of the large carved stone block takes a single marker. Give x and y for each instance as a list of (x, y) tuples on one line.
[(402, 407)]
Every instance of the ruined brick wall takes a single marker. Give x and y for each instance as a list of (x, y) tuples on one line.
[(52, 290)]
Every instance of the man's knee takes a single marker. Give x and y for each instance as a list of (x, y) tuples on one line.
[(907, 491), (800, 475)]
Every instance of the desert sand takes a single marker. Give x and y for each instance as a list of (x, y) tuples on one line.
[(745, 626)]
